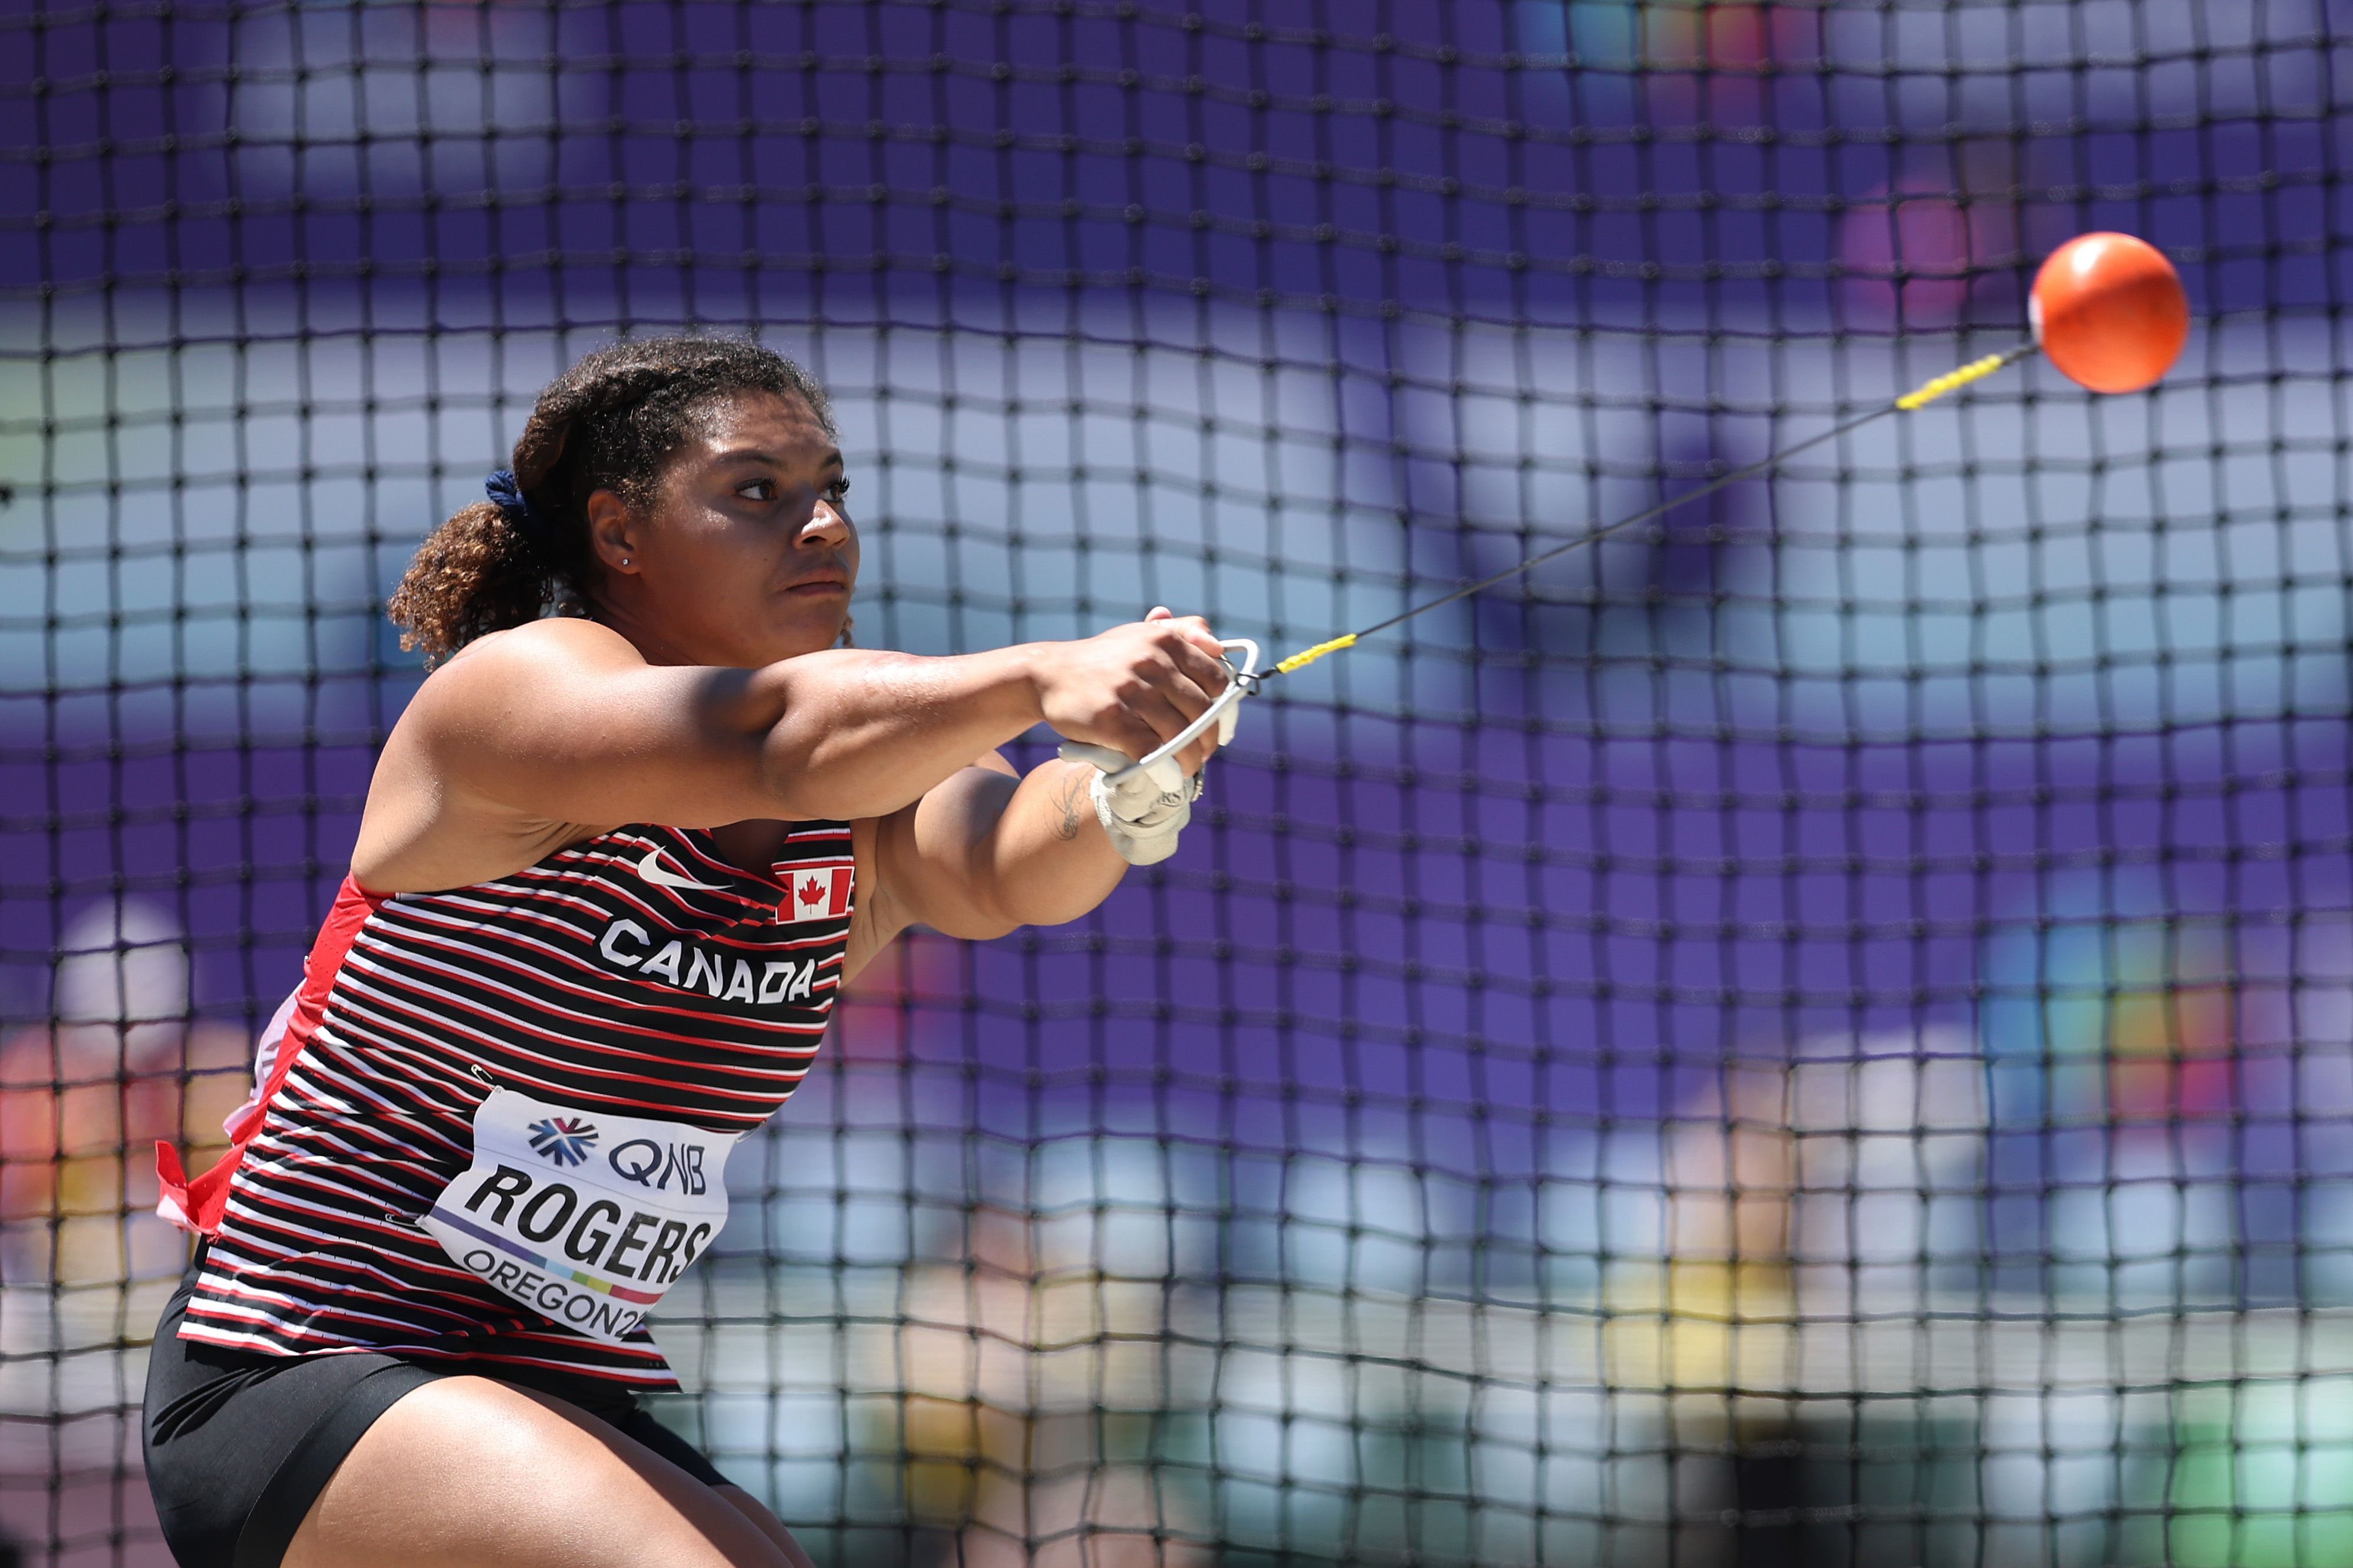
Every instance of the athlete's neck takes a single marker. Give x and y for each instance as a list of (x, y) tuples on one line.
[(655, 647)]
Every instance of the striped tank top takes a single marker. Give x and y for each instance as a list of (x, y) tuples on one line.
[(634, 975)]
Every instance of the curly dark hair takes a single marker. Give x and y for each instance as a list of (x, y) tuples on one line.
[(612, 422)]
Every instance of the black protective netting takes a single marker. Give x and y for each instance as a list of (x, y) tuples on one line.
[(1821, 1030)]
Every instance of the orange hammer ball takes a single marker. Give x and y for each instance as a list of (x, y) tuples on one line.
[(2109, 311)]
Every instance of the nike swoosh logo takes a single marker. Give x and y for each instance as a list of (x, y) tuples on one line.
[(650, 868)]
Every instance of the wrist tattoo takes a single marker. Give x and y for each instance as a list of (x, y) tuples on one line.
[(1072, 799)]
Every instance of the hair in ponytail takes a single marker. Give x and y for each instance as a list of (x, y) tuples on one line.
[(475, 573), (612, 422)]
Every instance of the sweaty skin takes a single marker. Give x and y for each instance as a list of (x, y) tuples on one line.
[(706, 691)]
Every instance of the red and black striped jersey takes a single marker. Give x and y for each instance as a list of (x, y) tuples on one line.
[(635, 974)]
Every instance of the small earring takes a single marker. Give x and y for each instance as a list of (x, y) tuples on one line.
[(625, 560)]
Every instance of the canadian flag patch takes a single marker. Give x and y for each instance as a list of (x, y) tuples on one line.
[(819, 893)]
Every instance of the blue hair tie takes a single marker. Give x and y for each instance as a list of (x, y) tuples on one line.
[(507, 497)]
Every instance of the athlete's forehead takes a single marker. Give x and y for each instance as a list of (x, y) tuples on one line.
[(767, 427)]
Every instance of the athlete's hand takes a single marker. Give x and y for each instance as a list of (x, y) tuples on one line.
[(1136, 687)]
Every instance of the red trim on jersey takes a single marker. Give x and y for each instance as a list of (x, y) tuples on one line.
[(196, 1203)]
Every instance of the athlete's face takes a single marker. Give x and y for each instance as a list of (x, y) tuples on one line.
[(748, 556)]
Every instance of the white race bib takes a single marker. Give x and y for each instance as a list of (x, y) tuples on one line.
[(586, 1218)]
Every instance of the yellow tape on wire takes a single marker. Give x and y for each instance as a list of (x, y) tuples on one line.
[(1306, 657), (1952, 381)]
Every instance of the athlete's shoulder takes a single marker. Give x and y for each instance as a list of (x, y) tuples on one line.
[(571, 639), (499, 703), (544, 660)]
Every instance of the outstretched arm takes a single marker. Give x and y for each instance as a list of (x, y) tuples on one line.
[(534, 733)]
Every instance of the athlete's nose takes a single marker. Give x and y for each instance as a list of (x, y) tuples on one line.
[(827, 525)]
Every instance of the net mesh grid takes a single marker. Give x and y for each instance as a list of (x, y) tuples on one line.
[(1821, 1029)]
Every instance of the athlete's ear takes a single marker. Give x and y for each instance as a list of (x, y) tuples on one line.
[(613, 532)]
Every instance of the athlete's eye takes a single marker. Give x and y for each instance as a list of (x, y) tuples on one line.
[(758, 489), (837, 492)]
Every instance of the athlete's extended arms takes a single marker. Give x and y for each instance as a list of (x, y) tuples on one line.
[(563, 721)]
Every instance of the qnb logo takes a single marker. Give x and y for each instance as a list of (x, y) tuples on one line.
[(657, 1166), (562, 1139)]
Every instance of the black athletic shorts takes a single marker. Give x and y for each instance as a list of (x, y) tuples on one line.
[(239, 1444)]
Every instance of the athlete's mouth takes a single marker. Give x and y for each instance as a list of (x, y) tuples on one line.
[(817, 586)]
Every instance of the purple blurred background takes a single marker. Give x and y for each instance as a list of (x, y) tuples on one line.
[(2018, 726)]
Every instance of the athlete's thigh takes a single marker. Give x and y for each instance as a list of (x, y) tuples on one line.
[(467, 1473), (772, 1527)]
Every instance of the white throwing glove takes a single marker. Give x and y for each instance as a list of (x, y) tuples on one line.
[(1144, 812), (1148, 808)]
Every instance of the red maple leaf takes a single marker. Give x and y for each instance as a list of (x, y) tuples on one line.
[(812, 891)]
